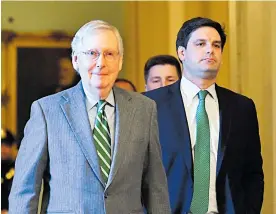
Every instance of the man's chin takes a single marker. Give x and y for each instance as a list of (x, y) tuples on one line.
[(102, 86), (209, 73), (98, 84)]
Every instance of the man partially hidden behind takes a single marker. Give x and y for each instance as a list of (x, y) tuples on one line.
[(209, 135), (160, 71), (94, 146)]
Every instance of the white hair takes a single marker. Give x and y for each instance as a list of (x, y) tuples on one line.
[(90, 27)]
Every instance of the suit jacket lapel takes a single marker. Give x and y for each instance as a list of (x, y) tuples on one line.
[(225, 125), (124, 114), (74, 108), (181, 124)]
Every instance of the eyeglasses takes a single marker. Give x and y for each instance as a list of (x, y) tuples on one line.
[(108, 55)]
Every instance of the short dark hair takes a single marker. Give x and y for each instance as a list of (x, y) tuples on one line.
[(126, 81), (161, 60), (193, 24)]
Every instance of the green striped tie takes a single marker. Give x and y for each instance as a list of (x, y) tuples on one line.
[(200, 200), (102, 140)]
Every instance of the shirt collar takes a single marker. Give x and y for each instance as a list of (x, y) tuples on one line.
[(190, 90), (92, 101)]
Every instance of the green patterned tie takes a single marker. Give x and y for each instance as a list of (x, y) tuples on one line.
[(200, 200), (102, 140)]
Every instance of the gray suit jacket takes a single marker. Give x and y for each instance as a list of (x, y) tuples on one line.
[(58, 149)]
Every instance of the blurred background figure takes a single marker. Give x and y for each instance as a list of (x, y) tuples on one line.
[(125, 84), (67, 76), (8, 147), (160, 71)]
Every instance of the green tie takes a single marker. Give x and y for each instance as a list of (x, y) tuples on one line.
[(102, 140), (200, 200)]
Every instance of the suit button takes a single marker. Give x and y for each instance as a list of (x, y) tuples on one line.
[(105, 195)]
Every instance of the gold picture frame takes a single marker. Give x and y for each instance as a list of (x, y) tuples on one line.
[(15, 49)]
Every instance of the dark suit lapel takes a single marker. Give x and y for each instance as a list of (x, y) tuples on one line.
[(181, 124), (225, 124), (124, 114), (74, 108)]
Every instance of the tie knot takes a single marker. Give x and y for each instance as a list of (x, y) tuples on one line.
[(202, 94), (101, 104)]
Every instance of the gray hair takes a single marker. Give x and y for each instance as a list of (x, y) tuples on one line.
[(92, 26)]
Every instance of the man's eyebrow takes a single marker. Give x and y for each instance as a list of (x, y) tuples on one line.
[(204, 40), (156, 77), (197, 40)]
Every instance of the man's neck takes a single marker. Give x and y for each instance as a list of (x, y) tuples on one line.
[(201, 83), (96, 94)]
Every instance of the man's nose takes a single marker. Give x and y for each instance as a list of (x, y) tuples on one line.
[(100, 61), (163, 83), (209, 49)]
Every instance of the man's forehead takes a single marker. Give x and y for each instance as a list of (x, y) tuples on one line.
[(162, 71), (163, 67), (102, 37), (205, 33)]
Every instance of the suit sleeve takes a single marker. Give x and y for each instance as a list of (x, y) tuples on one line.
[(155, 188), (253, 176), (30, 165)]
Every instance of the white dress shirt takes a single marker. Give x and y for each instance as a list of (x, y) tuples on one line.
[(189, 93), (91, 106)]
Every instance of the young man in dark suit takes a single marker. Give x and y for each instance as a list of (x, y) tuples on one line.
[(209, 135)]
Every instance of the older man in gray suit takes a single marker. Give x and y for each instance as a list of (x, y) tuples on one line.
[(94, 146)]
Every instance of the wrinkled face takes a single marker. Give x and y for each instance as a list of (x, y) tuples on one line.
[(66, 72), (160, 76), (98, 74), (202, 57)]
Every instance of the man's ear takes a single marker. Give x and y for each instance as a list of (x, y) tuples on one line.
[(181, 53), (75, 62), (120, 63)]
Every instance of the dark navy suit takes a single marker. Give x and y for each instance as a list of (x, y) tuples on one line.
[(239, 181)]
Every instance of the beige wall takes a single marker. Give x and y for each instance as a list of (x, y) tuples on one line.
[(272, 82), (254, 54), (149, 37), (39, 16)]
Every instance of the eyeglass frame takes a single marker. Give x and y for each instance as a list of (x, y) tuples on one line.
[(88, 53)]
